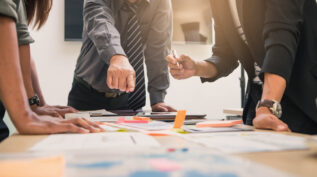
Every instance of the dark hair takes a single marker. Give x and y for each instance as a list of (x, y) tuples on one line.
[(37, 11)]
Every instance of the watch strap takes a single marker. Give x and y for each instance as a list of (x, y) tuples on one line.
[(272, 105), (34, 100)]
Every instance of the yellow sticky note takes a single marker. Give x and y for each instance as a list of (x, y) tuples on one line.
[(179, 119), (35, 167)]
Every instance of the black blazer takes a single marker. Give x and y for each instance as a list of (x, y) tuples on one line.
[(282, 39)]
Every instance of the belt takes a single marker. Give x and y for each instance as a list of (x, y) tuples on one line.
[(106, 94)]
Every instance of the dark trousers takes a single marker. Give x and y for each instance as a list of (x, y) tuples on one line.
[(84, 97), (4, 131)]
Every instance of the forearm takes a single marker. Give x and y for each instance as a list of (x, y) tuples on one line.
[(205, 69), (274, 87), (100, 27), (25, 62), (12, 90), (36, 83)]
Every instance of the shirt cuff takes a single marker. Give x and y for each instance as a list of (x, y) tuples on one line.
[(111, 51), (277, 61), (8, 8), (24, 37), (157, 97), (217, 63)]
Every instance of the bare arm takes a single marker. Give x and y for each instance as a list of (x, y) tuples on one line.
[(274, 87), (36, 83), (12, 91), (25, 62), (14, 97)]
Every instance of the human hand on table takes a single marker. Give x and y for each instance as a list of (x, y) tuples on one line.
[(182, 67), (121, 74), (266, 120), (35, 124), (162, 107), (55, 111)]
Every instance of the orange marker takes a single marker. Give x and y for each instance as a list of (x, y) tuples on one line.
[(228, 123), (179, 119)]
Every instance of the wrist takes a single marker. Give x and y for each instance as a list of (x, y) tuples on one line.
[(34, 101), (263, 110), (272, 106), (198, 68), (118, 58), (205, 69)]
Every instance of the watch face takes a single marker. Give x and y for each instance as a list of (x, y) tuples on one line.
[(277, 110)]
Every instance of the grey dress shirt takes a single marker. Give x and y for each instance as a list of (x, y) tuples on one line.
[(104, 35)]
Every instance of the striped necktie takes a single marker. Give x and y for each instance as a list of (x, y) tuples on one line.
[(134, 51)]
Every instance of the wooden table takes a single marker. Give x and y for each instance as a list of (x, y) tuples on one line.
[(299, 163)]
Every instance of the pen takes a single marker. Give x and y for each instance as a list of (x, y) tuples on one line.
[(175, 56)]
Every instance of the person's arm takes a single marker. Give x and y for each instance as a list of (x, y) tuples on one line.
[(220, 64), (273, 89), (100, 27), (283, 19), (36, 83), (14, 97), (158, 45), (45, 109)]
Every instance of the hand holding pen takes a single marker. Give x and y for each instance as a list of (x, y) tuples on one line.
[(181, 67)]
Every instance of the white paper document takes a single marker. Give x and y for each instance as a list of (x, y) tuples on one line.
[(151, 126), (241, 142), (63, 142)]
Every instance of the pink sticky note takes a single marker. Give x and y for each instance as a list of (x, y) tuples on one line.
[(164, 165)]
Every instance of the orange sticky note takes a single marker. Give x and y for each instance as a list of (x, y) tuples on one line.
[(179, 119), (141, 118), (35, 167), (228, 123)]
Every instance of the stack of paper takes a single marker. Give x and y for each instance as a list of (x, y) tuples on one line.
[(66, 142), (248, 141)]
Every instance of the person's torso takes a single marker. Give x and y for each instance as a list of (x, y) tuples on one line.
[(302, 88), (89, 56)]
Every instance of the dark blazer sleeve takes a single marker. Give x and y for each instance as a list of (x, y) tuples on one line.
[(222, 54), (281, 32)]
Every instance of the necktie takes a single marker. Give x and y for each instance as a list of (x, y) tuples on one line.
[(134, 51)]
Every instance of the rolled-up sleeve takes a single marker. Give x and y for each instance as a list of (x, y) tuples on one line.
[(158, 45), (281, 32), (24, 37), (8, 8), (100, 26), (222, 55)]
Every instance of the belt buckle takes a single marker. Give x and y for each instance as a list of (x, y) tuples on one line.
[(111, 95)]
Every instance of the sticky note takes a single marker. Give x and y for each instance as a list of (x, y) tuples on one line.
[(218, 123), (164, 165), (123, 120), (179, 130), (179, 119), (34, 167), (157, 134), (141, 118)]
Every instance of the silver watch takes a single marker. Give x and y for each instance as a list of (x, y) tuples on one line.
[(274, 106)]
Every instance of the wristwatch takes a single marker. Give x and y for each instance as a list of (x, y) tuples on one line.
[(34, 100), (274, 106)]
